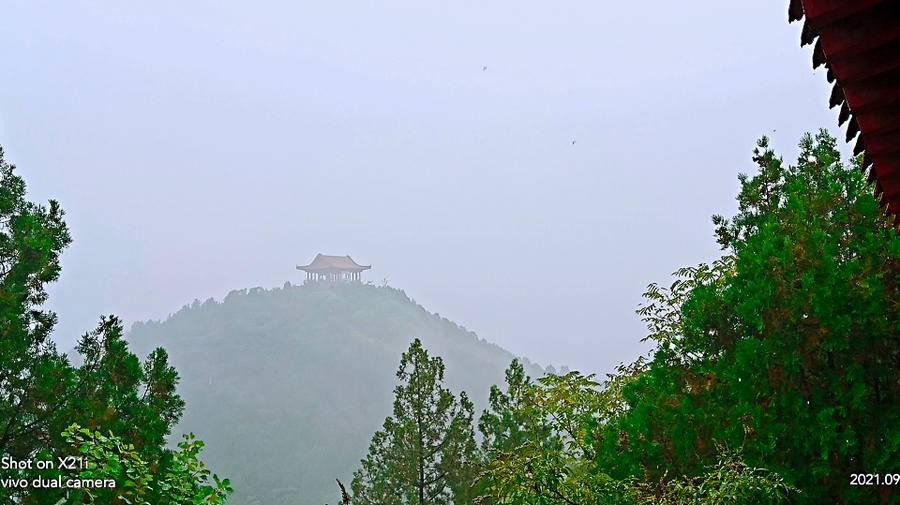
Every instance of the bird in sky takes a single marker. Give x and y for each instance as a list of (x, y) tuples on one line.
[(484, 68), (573, 142)]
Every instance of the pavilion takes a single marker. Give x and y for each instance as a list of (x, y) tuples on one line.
[(333, 269)]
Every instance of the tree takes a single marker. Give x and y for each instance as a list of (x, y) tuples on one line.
[(554, 461), (730, 481), (538, 441), (31, 370), (183, 480), (786, 347), (426, 452), (503, 425), (41, 392)]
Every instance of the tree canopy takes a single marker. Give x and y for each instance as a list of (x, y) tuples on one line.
[(786, 347), (426, 452), (774, 376)]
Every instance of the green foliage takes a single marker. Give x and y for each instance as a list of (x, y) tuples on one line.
[(555, 461), (503, 425), (181, 479), (426, 452), (114, 391), (730, 481), (550, 457), (31, 370), (108, 457), (185, 478), (41, 392), (786, 347)]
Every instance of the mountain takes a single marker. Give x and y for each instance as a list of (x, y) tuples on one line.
[(288, 385)]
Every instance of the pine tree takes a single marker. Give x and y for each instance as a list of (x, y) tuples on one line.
[(426, 452), (42, 394), (502, 426)]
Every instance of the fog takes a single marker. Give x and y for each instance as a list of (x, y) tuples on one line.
[(523, 168)]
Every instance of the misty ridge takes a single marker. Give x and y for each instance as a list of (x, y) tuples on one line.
[(287, 385)]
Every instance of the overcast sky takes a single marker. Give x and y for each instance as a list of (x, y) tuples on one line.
[(200, 147)]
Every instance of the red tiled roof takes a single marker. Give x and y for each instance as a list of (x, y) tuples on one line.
[(858, 41), (323, 263)]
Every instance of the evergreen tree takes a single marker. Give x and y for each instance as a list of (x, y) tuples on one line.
[(31, 370), (41, 392), (786, 348), (502, 426), (426, 452)]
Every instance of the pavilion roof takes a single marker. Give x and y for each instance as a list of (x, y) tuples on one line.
[(323, 262), (858, 42)]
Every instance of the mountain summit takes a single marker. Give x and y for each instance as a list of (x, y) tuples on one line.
[(288, 385)]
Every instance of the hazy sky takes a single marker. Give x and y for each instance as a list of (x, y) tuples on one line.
[(205, 146)]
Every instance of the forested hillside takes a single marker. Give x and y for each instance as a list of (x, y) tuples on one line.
[(288, 385)]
